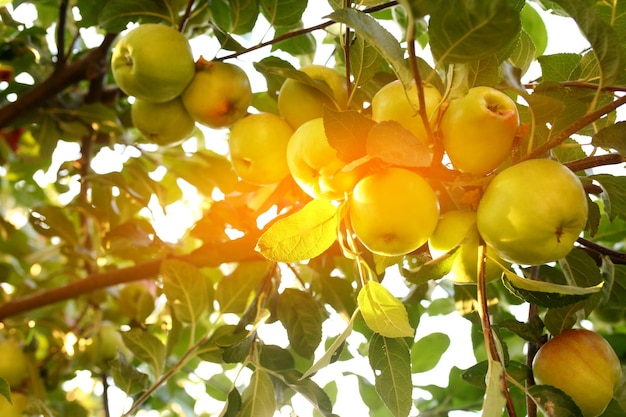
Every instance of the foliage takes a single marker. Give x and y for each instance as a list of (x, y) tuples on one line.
[(82, 192)]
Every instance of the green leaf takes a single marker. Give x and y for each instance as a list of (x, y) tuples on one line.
[(382, 312), (365, 61), (116, 14), (126, 377), (186, 290), (235, 16), (5, 389), (494, 402), (302, 235), (427, 351), (339, 294), (146, 347), (395, 145), (560, 67), (276, 358), (300, 315), (614, 195), (554, 402), (546, 294), (534, 25), (283, 12), (347, 132), (53, 221), (464, 31), (235, 290), (611, 137), (390, 360), (377, 36), (233, 404), (329, 356), (258, 398), (309, 389)]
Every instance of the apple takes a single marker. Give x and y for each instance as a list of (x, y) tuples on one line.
[(314, 164), (13, 363), (136, 301), (218, 95), (164, 124), (153, 62), (478, 130), (14, 409), (258, 148), (299, 102), (457, 229), (393, 211), (582, 364), (393, 102), (533, 212), (105, 344)]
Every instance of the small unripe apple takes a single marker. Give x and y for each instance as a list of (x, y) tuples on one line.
[(218, 95), (16, 409), (153, 62), (478, 130), (533, 212), (105, 344), (457, 229), (582, 364), (258, 148), (164, 124), (13, 363), (394, 102), (299, 102), (394, 211)]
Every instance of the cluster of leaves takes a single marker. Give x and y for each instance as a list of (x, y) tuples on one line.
[(79, 251)]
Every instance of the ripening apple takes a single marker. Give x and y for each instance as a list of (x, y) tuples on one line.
[(218, 95), (582, 364), (16, 409), (164, 124), (13, 363), (299, 102), (393, 211), (153, 62), (457, 229), (314, 164), (393, 102), (258, 148), (533, 212), (478, 130)]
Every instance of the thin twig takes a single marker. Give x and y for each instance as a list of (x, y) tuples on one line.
[(185, 18), (60, 35), (603, 250)]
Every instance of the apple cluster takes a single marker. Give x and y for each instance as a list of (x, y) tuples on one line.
[(154, 64)]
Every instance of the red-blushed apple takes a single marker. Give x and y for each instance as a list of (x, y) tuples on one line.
[(478, 130), (153, 62), (533, 212), (582, 364), (258, 148), (394, 102), (219, 94), (393, 212)]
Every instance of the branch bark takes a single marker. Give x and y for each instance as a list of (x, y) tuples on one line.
[(87, 67)]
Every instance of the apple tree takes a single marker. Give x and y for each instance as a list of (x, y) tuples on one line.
[(348, 172)]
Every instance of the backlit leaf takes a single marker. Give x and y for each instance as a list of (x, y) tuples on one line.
[(382, 312), (393, 144), (116, 14), (612, 137), (258, 398), (302, 235), (146, 347), (347, 133), (234, 291), (283, 12), (614, 195), (390, 360), (427, 351), (308, 389), (493, 405), (186, 289), (300, 315), (128, 378)]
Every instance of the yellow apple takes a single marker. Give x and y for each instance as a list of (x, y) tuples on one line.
[(258, 148), (314, 164), (299, 102), (533, 212), (457, 229), (153, 62), (13, 363), (218, 95), (582, 364), (166, 123), (16, 409), (393, 212), (393, 102), (478, 130)]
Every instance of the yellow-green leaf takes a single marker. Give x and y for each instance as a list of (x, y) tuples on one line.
[(382, 312), (302, 235), (258, 398)]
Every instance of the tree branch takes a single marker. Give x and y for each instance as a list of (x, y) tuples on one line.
[(87, 67), (595, 161)]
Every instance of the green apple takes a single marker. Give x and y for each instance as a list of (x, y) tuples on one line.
[(457, 229), (13, 363), (258, 148), (218, 95), (582, 364), (153, 62), (105, 344), (533, 212), (314, 164), (136, 301), (478, 130), (393, 102), (393, 212), (166, 123), (16, 409), (299, 102)]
